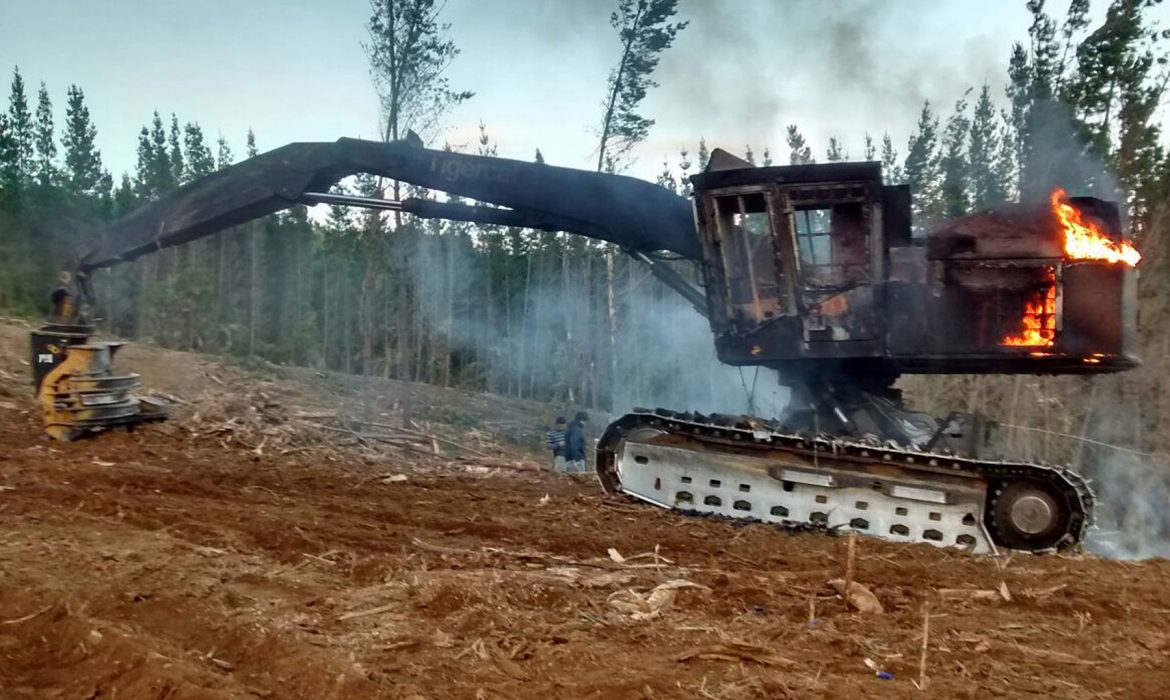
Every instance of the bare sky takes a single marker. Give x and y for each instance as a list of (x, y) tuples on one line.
[(295, 70)]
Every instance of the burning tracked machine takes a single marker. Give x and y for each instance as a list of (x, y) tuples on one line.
[(811, 270)]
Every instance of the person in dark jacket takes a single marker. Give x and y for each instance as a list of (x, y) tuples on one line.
[(556, 444), (575, 444)]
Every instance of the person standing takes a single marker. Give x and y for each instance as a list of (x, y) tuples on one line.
[(575, 444), (556, 444)]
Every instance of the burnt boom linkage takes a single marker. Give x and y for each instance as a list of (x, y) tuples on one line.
[(810, 270)]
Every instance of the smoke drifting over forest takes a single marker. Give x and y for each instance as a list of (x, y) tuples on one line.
[(838, 69)]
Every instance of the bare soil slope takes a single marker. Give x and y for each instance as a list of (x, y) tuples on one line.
[(226, 555)]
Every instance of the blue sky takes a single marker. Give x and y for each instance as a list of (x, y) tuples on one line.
[(295, 70)]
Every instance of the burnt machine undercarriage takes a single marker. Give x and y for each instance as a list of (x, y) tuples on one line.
[(844, 457)]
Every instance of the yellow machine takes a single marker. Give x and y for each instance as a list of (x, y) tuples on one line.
[(77, 389)]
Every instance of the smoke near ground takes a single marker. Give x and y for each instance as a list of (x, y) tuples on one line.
[(555, 333), (1133, 519)]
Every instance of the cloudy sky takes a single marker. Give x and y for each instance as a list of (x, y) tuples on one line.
[(295, 69)]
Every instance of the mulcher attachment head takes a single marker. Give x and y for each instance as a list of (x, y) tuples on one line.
[(76, 386)]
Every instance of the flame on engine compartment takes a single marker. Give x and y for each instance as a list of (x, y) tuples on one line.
[(1039, 321), (1083, 240)]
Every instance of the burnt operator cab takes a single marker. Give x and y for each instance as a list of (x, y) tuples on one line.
[(813, 269)]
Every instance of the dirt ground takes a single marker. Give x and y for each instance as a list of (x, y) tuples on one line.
[(185, 560)]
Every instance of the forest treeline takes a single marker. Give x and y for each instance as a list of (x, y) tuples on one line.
[(562, 318)]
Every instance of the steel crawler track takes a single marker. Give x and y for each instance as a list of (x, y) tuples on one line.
[(745, 467)]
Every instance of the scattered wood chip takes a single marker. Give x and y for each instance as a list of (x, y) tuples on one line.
[(860, 598), (28, 617), (1042, 593), (314, 557), (1059, 657), (976, 593), (562, 574), (371, 611), (648, 606), (613, 578), (100, 463), (735, 651), (400, 644), (394, 478)]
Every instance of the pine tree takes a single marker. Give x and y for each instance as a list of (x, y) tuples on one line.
[(200, 162), (9, 172), (161, 173), (749, 156), (704, 155), (539, 157), (1114, 93), (1046, 68), (1007, 160), (409, 50), (223, 153), (835, 153), (922, 167), (83, 160), (767, 157), (178, 169), (45, 169), (125, 198), (870, 150), (983, 154), (799, 152), (1044, 130), (666, 178), (20, 125), (646, 30), (890, 170), (144, 167), (250, 150), (1019, 94), (953, 165), (684, 172)]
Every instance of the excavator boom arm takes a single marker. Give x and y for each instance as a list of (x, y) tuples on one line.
[(632, 213)]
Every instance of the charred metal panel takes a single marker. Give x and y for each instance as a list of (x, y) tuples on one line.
[(784, 235), (790, 174), (1094, 312), (896, 215), (907, 265), (1013, 232), (907, 315), (974, 305)]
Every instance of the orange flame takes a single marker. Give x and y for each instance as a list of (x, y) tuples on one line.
[(1084, 241), (1039, 319)]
